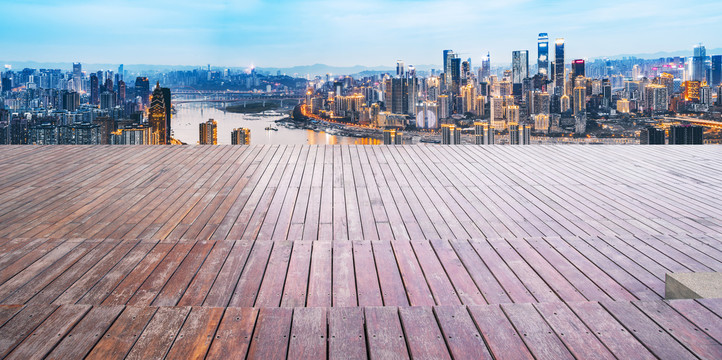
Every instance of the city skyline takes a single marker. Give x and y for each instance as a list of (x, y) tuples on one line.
[(373, 34)]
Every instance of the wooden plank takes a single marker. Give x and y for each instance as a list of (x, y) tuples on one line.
[(538, 336), (646, 331), (343, 280), (319, 282), (346, 336), (460, 333), (22, 325), (157, 279), (465, 287), (8, 311), (249, 283), (83, 337), (423, 336), (198, 289), (159, 334), (490, 288), (687, 333), (439, 283), (271, 290), (183, 275), (580, 341), (513, 287), (124, 332), (121, 283), (222, 289), (270, 338), (385, 336), (197, 333), (610, 332), (705, 319), (49, 333), (308, 334), (234, 333), (416, 287), (536, 285), (294, 290), (392, 286), (367, 279)]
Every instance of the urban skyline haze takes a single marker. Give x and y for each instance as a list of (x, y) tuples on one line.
[(370, 33)]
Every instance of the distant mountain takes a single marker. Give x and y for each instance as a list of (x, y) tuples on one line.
[(323, 69)]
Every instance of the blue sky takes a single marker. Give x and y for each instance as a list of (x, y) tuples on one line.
[(282, 33)]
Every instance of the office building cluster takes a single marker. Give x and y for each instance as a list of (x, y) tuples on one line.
[(553, 94), (49, 107)]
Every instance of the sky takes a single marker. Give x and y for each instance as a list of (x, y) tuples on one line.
[(285, 33)]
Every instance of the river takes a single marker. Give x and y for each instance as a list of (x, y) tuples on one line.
[(188, 115)]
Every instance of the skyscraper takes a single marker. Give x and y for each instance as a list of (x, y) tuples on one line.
[(399, 68), (699, 63), (241, 136), (519, 70), (543, 54), (455, 75), (157, 117), (485, 67), (578, 68), (142, 88), (77, 76), (120, 72), (448, 55), (716, 71), (94, 89), (559, 66)]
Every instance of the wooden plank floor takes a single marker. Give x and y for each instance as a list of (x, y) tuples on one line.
[(358, 192), (455, 251), (577, 330)]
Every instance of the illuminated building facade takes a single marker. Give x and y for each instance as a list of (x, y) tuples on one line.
[(241, 136), (623, 106), (559, 66), (208, 133), (519, 70), (691, 90), (157, 117), (578, 68)]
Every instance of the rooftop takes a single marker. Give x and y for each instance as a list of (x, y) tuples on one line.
[(455, 252)]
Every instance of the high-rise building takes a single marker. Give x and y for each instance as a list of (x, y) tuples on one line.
[(496, 113), (656, 99), (157, 117), (580, 100), (513, 133), (699, 63), (691, 90), (142, 89), (121, 92), (396, 97), (686, 135), (448, 134), (94, 89), (485, 67), (623, 106), (241, 136), (519, 70), (480, 128), (208, 133), (541, 123), (543, 54), (651, 136), (400, 68), (77, 77), (716, 71), (559, 67), (120, 72), (578, 68), (455, 75), (448, 55)]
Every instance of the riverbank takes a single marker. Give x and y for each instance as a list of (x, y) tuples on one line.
[(252, 108)]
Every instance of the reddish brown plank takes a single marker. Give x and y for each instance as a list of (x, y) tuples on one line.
[(294, 290), (246, 290), (197, 333), (319, 282), (222, 289), (124, 332), (22, 325), (274, 278), (392, 286), (83, 337), (160, 333), (198, 289), (385, 336), (49, 333), (346, 336), (233, 336), (580, 341), (700, 316), (423, 336), (270, 338), (308, 334), (460, 333), (344, 280), (414, 282), (500, 336)]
